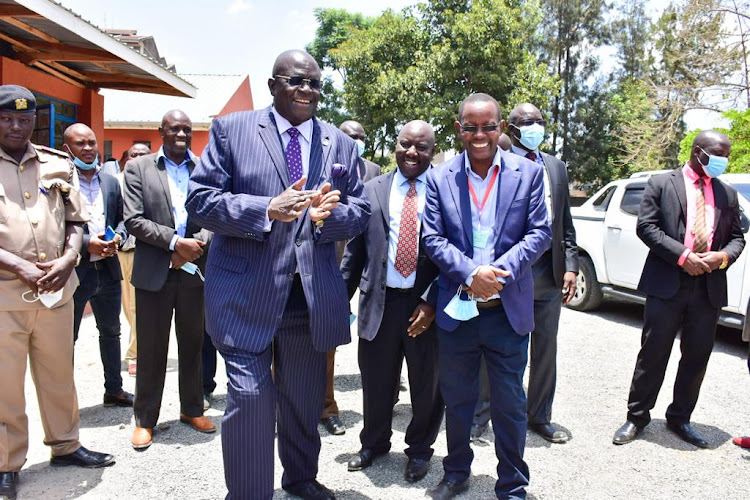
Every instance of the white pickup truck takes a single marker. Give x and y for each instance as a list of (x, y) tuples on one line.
[(612, 256)]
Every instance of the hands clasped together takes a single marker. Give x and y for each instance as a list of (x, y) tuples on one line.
[(704, 262), (291, 204)]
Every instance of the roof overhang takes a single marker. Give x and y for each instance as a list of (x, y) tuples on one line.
[(123, 125), (47, 36)]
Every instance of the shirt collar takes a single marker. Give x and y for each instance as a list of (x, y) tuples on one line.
[(523, 152), (30, 153), (688, 172), (496, 162), (189, 156), (401, 179), (282, 124)]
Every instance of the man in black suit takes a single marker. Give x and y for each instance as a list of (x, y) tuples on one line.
[(388, 264), (555, 272), (99, 271), (366, 170), (690, 221), (168, 246)]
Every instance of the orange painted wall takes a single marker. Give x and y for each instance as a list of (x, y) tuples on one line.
[(122, 139), (90, 103)]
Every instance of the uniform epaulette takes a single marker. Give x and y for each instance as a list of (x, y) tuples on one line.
[(52, 151)]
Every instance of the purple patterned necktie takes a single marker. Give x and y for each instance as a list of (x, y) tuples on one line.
[(294, 155)]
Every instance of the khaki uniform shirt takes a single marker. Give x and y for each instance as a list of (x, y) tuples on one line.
[(33, 216)]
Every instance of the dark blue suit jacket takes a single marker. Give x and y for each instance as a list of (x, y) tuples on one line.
[(112, 199), (250, 272), (523, 234)]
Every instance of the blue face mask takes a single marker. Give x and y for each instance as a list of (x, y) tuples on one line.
[(532, 136), (716, 164), (360, 147), (461, 310), (86, 166)]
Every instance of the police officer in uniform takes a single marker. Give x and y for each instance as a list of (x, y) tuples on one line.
[(41, 216)]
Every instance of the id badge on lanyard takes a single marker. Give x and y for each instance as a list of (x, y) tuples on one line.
[(481, 236)]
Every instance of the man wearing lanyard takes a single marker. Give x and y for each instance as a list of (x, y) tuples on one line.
[(485, 223)]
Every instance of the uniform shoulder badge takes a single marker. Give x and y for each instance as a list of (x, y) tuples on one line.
[(52, 151)]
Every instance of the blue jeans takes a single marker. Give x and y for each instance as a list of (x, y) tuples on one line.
[(104, 294)]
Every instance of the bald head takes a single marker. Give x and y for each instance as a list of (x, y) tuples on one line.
[(295, 86), (415, 148), (524, 112), (80, 142), (176, 133), (353, 129), (290, 58)]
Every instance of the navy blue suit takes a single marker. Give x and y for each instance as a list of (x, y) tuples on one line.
[(273, 296), (499, 334)]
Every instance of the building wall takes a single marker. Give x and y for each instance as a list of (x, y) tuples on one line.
[(90, 104), (122, 139)]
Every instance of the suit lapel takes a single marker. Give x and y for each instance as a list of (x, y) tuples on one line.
[(161, 172), (720, 201), (554, 180), (679, 186), (508, 181), (320, 147), (269, 134), (383, 194), (458, 183)]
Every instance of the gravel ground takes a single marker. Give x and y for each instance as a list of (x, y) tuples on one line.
[(596, 358)]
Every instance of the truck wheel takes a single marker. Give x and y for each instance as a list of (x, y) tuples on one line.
[(588, 294)]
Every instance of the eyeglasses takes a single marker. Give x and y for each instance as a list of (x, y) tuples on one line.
[(473, 129), (528, 123), (296, 81)]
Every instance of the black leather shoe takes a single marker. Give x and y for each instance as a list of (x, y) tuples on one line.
[(310, 490), (362, 460), (84, 458), (550, 432), (124, 399), (448, 489), (334, 425), (626, 433), (416, 469), (688, 434), (9, 485), (478, 430)]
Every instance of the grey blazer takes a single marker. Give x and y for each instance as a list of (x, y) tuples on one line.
[(148, 217)]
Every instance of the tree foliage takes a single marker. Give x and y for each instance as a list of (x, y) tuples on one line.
[(739, 135)]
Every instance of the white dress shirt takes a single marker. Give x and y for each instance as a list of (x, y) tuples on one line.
[(399, 188)]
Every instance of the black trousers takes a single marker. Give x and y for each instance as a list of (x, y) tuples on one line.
[(380, 362), (691, 312), (154, 322)]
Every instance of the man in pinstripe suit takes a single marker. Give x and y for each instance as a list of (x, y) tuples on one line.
[(279, 188)]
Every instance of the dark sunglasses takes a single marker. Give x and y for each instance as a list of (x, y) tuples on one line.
[(528, 123), (296, 81), (472, 129)]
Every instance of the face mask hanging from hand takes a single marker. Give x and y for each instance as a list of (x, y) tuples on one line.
[(461, 310), (716, 164), (48, 299)]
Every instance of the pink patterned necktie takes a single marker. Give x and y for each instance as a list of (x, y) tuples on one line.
[(699, 227), (406, 250), (294, 155)]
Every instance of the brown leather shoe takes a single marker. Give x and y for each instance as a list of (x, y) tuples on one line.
[(142, 437), (200, 424)]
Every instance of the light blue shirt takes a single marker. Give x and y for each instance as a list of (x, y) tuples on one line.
[(483, 220), (399, 189), (178, 177)]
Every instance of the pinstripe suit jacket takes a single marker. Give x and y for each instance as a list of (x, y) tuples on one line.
[(250, 272)]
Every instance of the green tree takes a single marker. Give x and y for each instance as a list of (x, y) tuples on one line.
[(738, 133), (421, 62)]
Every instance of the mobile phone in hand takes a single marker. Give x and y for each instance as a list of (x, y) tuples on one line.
[(109, 234)]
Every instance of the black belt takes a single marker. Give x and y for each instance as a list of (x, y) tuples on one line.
[(490, 304), (398, 290), (97, 264)]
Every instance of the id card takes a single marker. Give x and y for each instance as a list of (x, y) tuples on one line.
[(481, 238)]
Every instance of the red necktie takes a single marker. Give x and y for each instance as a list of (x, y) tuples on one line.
[(406, 250)]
